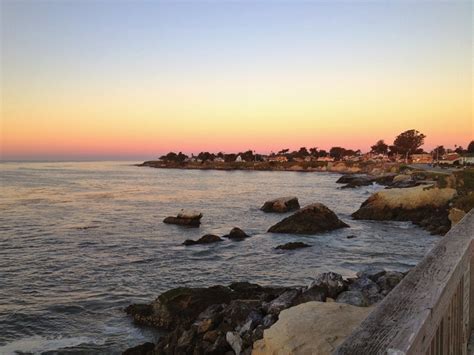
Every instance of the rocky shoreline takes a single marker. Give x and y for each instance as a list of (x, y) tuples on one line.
[(243, 318), (230, 319), (311, 166)]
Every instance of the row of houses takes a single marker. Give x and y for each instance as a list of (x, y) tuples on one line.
[(424, 158)]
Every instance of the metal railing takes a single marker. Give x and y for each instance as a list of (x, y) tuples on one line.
[(431, 311)]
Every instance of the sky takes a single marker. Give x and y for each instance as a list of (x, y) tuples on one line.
[(135, 79)]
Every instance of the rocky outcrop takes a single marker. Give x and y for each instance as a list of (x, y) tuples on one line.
[(206, 239), (315, 328), (293, 246), (219, 319), (423, 205), (236, 234), (281, 205), (312, 219), (185, 218)]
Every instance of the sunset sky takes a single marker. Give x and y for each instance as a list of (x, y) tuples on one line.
[(114, 79)]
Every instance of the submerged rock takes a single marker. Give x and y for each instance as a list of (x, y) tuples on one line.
[(281, 205), (206, 239), (312, 219), (293, 245), (356, 180), (237, 234), (185, 218)]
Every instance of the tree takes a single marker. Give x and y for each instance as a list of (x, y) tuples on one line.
[(438, 152), (459, 150), (337, 152), (314, 151), (283, 151), (408, 142), (379, 148), (470, 147), (171, 156)]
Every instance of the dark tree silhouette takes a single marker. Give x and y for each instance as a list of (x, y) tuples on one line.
[(408, 142), (380, 147), (470, 147)]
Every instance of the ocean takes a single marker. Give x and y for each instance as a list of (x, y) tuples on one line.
[(79, 241)]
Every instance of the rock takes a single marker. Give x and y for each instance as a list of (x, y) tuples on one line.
[(331, 282), (368, 288), (371, 272), (455, 215), (143, 349), (293, 245), (401, 178), (351, 236), (355, 298), (185, 218), (360, 181), (269, 320), (211, 336), (316, 328), (180, 306), (425, 205), (206, 239), (312, 219), (314, 293), (283, 301), (234, 341), (238, 311), (388, 281), (348, 178), (249, 291), (356, 180), (237, 234), (281, 205)]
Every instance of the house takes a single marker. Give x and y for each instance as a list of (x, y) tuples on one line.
[(423, 158), (278, 158), (467, 160), (450, 158), (238, 159), (219, 160), (327, 159)]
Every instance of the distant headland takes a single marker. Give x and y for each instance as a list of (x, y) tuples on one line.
[(406, 149)]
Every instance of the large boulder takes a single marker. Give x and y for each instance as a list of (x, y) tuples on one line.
[(424, 205), (185, 218), (281, 205), (179, 306), (316, 328), (312, 219), (206, 239)]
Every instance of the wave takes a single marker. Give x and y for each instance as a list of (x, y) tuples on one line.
[(37, 344)]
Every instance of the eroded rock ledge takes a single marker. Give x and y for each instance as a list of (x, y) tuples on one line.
[(427, 206)]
